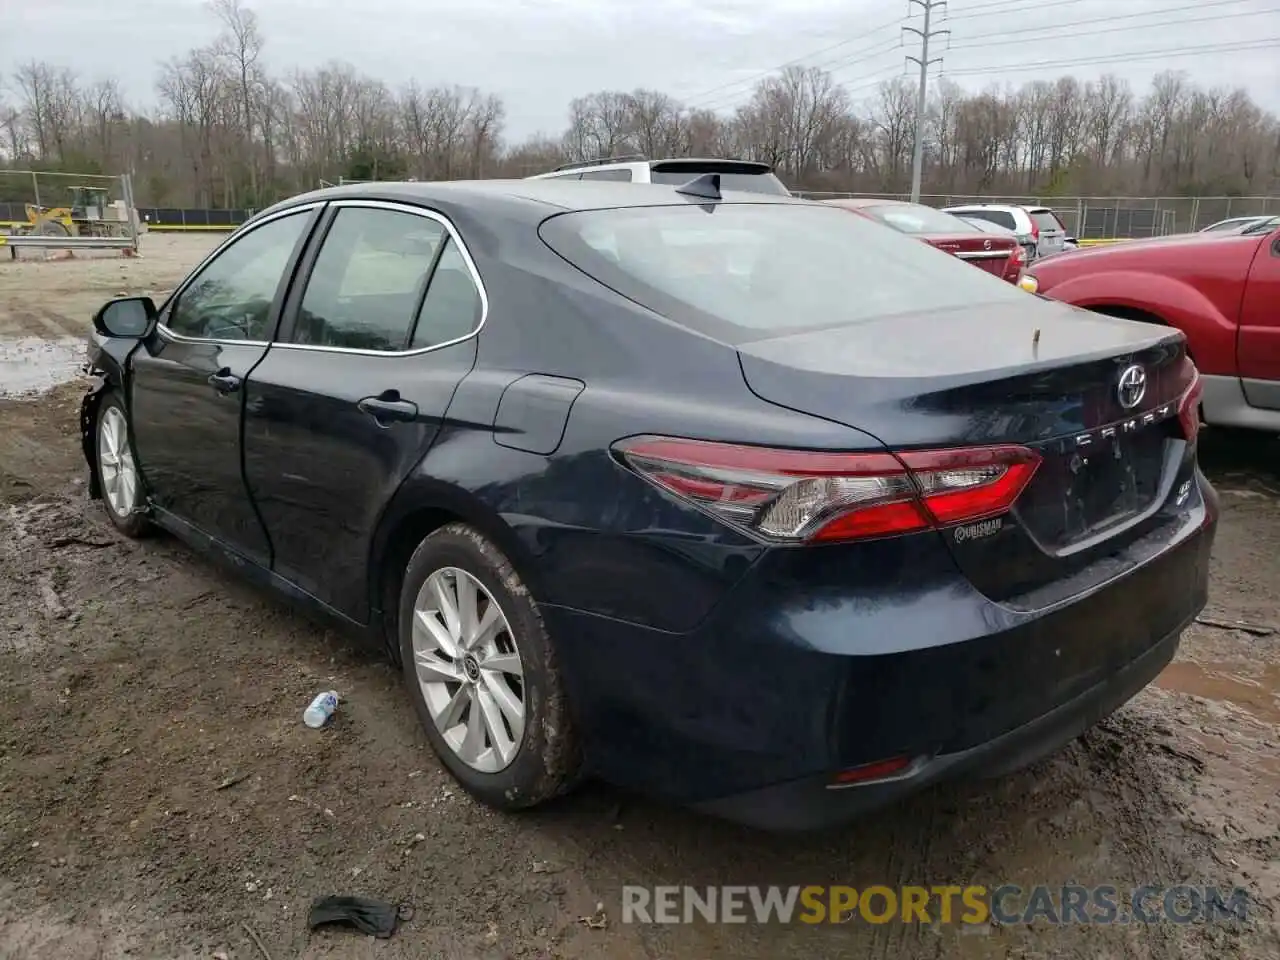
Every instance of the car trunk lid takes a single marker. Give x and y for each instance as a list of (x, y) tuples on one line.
[(988, 253), (992, 375)]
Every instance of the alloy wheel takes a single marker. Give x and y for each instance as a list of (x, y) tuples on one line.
[(115, 461), (469, 669)]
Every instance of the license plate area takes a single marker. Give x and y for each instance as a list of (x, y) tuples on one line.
[(1080, 493)]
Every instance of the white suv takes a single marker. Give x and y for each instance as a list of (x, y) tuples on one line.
[(1038, 228), (734, 174)]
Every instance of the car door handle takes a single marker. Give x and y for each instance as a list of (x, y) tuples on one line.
[(388, 407), (224, 381)]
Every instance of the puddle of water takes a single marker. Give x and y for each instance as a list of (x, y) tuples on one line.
[(31, 365), (1259, 696)]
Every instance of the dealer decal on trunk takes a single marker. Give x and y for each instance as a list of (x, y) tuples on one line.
[(979, 530)]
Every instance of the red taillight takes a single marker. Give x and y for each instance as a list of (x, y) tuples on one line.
[(797, 496), (1019, 254), (1189, 407), (1035, 230)]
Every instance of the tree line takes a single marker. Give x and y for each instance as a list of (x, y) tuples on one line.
[(225, 131)]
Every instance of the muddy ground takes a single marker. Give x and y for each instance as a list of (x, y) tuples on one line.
[(159, 796)]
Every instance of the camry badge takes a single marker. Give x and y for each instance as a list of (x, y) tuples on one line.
[(1132, 387)]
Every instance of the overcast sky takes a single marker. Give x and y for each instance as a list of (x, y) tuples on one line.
[(538, 54)]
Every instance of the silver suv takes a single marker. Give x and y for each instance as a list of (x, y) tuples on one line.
[(1038, 228), (734, 174)]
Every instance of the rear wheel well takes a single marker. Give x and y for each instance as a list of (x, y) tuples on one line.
[(409, 532)]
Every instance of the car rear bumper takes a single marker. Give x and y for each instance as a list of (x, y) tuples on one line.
[(823, 660), (812, 803)]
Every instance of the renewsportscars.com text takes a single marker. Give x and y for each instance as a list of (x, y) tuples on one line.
[(1007, 904)]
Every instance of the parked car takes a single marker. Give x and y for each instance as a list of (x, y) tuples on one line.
[(721, 499), (745, 175), (1234, 224), (999, 255), (1221, 291), (1037, 227)]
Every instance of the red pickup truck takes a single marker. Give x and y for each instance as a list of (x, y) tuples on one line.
[(1222, 292)]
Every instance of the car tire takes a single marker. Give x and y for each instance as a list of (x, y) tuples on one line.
[(118, 477), (546, 759)]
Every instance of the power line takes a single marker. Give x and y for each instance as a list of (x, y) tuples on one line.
[(969, 13), (864, 55), (1039, 31), (925, 33), (1264, 43), (694, 98)]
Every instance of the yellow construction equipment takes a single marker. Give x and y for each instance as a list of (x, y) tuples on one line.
[(90, 214)]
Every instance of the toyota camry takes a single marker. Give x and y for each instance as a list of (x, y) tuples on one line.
[(734, 499)]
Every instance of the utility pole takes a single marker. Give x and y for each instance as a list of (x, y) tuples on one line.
[(926, 33)]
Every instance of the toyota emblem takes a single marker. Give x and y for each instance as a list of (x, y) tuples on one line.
[(986, 244), (1132, 387)]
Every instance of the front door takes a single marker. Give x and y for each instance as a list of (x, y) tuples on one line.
[(187, 383), (355, 390)]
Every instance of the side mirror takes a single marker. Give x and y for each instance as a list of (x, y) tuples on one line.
[(128, 317)]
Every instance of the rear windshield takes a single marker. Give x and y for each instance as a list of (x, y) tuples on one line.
[(764, 182), (916, 219), (999, 217), (747, 271), (1047, 220)]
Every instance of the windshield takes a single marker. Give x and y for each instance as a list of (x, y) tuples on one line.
[(916, 219), (1261, 227), (742, 271)]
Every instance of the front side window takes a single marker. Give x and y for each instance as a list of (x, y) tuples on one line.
[(744, 271), (231, 298), (368, 280)]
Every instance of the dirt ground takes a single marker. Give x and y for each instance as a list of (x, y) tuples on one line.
[(160, 797)]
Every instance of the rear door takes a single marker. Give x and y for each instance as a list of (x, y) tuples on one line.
[(1259, 345), (355, 390)]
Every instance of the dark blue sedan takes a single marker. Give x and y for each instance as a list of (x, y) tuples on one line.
[(730, 498)]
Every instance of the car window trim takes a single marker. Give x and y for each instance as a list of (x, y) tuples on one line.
[(451, 233), (286, 278)]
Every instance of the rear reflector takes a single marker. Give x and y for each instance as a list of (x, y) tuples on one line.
[(870, 772), (798, 496)]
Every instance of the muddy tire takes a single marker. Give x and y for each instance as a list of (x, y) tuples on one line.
[(482, 672), (117, 470)]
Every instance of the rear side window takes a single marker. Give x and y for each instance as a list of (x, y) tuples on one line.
[(1047, 220), (748, 271), (452, 307), (998, 217), (619, 174), (367, 281), (915, 219)]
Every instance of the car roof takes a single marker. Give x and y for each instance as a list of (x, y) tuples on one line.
[(537, 198)]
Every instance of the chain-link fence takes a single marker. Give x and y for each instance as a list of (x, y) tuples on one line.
[(1106, 218), (1086, 218)]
